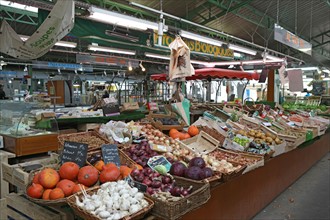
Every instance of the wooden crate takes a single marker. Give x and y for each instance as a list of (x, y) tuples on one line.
[(15, 174), (202, 143), (4, 186), (19, 207), (3, 208), (29, 145)]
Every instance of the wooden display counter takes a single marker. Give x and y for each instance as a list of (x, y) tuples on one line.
[(245, 196), (29, 145)]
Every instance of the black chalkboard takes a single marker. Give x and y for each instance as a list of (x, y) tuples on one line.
[(110, 154), (140, 186), (74, 152)]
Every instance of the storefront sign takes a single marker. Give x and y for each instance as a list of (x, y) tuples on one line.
[(82, 58), (286, 37), (66, 66), (58, 23), (197, 46)]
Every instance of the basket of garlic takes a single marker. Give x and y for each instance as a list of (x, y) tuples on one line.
[(111, 201)]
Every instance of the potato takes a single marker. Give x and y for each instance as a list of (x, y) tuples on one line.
[(269, 139), (258, 135), (278, 141)]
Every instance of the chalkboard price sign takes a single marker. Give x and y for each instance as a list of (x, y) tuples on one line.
[(140, 186), (74, 152), (110, 154)]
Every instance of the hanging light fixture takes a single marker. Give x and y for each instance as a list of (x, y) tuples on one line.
[(39, 82), (95, 47), (59, 71), (242, 49), (200, 38), (25, 68), (126, 21), (142, 67), (130, 68)]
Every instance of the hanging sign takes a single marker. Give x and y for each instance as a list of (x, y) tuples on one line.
[(198, 46), (58, 23), (286, 37), (83, 58)]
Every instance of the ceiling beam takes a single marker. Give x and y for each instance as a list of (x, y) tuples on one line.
[(319, 35), (18, 15), (225, 11), (196, 11), (321, 44)]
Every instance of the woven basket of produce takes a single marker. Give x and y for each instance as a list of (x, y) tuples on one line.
[(92, 138), (42, 187), (116, 200), (175, 207)]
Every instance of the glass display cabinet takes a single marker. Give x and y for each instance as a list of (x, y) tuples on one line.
[(19, 128)]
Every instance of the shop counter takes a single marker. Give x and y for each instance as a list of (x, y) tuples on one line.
[(245, 196)]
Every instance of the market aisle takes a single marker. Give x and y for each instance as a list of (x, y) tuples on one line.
[(307, 198)]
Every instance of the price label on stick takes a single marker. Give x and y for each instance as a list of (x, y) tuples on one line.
[(159, 160), (110, 154), (74, 152), (140, 186)]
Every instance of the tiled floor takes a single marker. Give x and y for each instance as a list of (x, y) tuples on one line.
[(307, 198)]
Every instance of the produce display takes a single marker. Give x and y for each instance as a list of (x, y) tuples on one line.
[(92, 141), (163, 185), (112, 201), (260, 137), (168, 121), (292, 107), (222, 155), (196, 169), (50, 184), (141, 153)]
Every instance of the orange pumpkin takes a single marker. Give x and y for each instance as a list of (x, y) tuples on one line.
[(109, 174), (193, 131), (76, 188), (99, 165), (45, 195), (172, 132), (35, 191), (109, 166), (66, 186), (56, 193), (88, 175), (186, 136), (48, 178), (125, 171), (69, 170), (177, 135)]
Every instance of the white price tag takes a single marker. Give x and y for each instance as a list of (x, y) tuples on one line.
[(267, 124), (1, 142), (292, 124)]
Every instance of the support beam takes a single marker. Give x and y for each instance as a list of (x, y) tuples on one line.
[(196, 11), (319, 35), (219, 15), (18, 15), (321, 44)]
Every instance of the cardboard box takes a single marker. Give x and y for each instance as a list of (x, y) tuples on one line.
[(45, 115), (132, 106)]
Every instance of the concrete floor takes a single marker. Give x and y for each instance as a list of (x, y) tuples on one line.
[(307, 198)]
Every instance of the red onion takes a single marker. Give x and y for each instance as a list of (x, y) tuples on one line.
[(135, 172), (139, 177), (166, 179), (147, 181), (176, 191), (156, 184), (184, 192), (150, 191)]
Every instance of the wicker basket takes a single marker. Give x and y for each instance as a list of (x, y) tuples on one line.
[(56, 202), (68, 137), (173, 210), (87, 215)]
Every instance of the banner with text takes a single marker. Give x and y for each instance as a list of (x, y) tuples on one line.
[(57, 25), (197, 46)]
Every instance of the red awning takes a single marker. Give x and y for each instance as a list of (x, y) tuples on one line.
[(213, 73)]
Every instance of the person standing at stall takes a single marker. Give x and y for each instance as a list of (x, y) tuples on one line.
[(2, 93)]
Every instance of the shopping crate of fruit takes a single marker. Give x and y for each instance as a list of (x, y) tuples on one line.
[(166, 122)]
